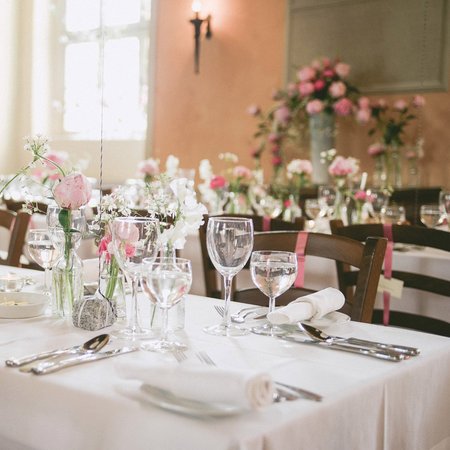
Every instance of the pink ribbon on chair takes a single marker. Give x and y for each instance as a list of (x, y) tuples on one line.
[(387, 232), (302, 239), (266, 223)]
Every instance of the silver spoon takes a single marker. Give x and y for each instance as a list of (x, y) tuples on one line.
[(91, 346)]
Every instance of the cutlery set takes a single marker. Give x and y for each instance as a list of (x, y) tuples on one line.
[(58, 359)]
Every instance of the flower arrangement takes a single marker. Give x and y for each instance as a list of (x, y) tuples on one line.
[(321, 87)]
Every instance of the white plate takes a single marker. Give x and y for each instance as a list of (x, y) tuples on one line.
[(170, 402), (22, 305)]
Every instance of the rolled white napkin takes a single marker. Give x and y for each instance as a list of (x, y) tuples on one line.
[(309, 307), (247, 389)]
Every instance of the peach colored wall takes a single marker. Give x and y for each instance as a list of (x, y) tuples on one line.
[(199, 116)]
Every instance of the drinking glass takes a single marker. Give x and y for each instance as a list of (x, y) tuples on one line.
[(326, 196), (444, 204), (133, 239), (165, 281), (264, 203), (430, 215), (313, 209), (273, 272), (393, 214), (229, 242), (44, 252), (377, 199), (77, 218)]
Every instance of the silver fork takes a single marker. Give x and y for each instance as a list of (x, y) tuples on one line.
[(241, 315), (180, 356), (283, 390)]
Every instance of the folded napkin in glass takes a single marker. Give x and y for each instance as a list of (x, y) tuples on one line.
[(246, 389), (309, 307)]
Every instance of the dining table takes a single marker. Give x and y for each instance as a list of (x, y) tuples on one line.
[(367, 403)]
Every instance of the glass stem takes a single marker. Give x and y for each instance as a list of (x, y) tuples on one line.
[(226, 320), (165, 324), (47, 279), (134, 321), (271, 304)]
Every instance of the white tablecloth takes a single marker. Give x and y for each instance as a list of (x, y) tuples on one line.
[(368, 403)]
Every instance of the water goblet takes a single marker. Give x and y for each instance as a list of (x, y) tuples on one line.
[(430, 215), (393, 214), (229, 242), (44, 252), (165, 281), (273, 272), (133, 239)]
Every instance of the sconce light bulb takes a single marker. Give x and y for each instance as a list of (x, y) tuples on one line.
[(196, 6)]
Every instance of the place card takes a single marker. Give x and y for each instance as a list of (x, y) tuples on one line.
[(393, 286)]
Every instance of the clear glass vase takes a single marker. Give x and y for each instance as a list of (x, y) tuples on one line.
[(237, 203), (394, 167), (379, 179), (340, 207)]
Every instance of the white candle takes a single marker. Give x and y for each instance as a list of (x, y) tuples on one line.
[(362, 186)]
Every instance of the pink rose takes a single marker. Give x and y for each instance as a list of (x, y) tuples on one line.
[(363, 116), (376, 149), (217, 182), (73, 191), (337, 89), (328, 73), (400, 105), (306, 88), (287, 203), (364, 102), (342, 69), (343, 107), (360, 195), (253, 110), (283, 115), (418, 101), (319, 85), (306, 74), (314, 107)]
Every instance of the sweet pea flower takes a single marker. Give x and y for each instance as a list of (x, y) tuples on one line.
[(126, 232), (418, 101), (306, 73), (342, 69), (218, 182), (337, 89), (103, 247), (299, 166), (282, 115), (314, 107), (172, 163), (343, 107), (376, 149), (400, 105), (205, 171), (319, 85), (306, 88), (73, 191)]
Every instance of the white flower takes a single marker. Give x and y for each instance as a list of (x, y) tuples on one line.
[(229, 157), (205, 170), (172, 164)]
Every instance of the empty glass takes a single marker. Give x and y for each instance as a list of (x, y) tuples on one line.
[(393, 214), (273, 272), (229, 242), (430, 215), (165, 281)]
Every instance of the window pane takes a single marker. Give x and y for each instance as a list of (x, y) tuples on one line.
[(121, 12), (82, 15), (81, 94)]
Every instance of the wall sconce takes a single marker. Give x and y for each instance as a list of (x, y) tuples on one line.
[(197, 22)]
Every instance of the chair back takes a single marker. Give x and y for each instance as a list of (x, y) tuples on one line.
[(212, 285), (414, 235), (17, 224), (359, 286)]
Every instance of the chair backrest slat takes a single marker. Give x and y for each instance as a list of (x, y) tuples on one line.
[(17, 224)]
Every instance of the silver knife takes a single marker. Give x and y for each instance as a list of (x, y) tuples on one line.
[(303, 393), (373, 352), (50, 367)]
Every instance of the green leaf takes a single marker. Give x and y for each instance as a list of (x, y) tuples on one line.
[(64, 219)]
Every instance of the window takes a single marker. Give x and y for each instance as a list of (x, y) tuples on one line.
[(104, 51)]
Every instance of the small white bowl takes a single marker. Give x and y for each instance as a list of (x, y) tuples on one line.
[(21, 305)]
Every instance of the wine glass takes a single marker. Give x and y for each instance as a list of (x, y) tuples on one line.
[(327, 197), (76, 217), (165, 281), (430, 215), (264, 203), (273, 272), (313, 210), (133, 239), (444, 204), (229, 242), (393, 214), (377, 199), (43, 251)]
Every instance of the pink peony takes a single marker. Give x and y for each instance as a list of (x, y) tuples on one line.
[(217, 182), (400, 105), (306, 74), (283, 115), (319, 85), (306, 88), (343, 107), (73, 191), (337, 89), (253, 110), (418, 101), (376, 149), (363, 115), (342, 69), (364, 102), (341, 166), (314, 107), (328, 73)]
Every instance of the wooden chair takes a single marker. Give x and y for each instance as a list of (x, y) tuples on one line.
[(17, 225), (359, 286), (210, 274), (16, 206), (407, 234)]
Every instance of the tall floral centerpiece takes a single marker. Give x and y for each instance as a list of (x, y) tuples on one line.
[(389, 122), (320, 93)]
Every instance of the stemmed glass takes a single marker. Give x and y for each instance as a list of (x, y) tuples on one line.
[(165, 281), (43, 251), (378, 199), (229, 242), (393, 214), (133, 239), (444, 204), (264, 203), (273, 272), (313, 209), (326, 196), (430, 215)]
